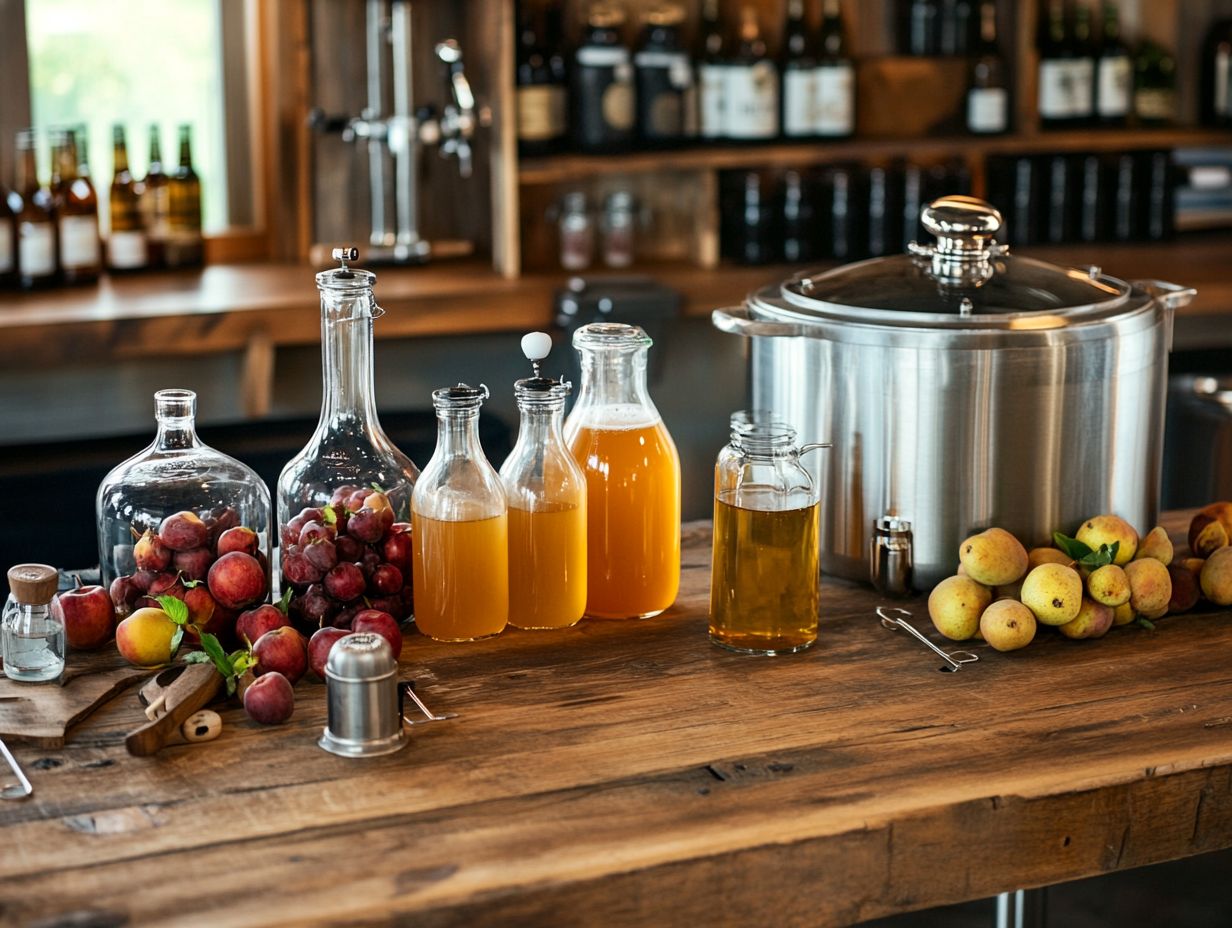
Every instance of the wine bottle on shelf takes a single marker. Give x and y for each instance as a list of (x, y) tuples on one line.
[(1113, 72), (10, 204), (748, 227), (1154, 85), (126, 245), (923, 27), (799, 66), (1215, 96), (604, 110), (709, 54), (955, 19), (836, 77), (1083, 65), (1056, 70), (540, 95), (153, 200), (80, 252), (752, 85), (185, 247), (798, 220), (1159, 212), (664, 77), (988, 94), (36, 220)]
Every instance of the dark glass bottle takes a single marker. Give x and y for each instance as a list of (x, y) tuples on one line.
[(1158, 219), (604, 110), (1091, 225), (1154, 85), (126, 245), (923, 27), (748, 226), (1215, 95), (540, 93), (10, 205), (752, 84), (155, 204), (955, 27), (836, 77), (80, 251), (988, 92), (36, 221), (664, 77), (1114, 72), (710, 57), (1056, 70), (797, 219), (799, 68), (184, 247), (1083, 65)]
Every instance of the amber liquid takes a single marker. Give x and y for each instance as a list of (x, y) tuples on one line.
[(547, 567), (461, 577), (764, 594), (633, 518)]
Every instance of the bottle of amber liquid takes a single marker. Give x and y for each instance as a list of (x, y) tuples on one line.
[(632, 473), (77, 214), (460, 529), (126, 246), (546, 492), (36, 221), (185, 247), (154, 202)]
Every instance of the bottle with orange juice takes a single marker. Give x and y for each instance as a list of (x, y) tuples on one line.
[(546, 493), (460, 534), (632, 477)]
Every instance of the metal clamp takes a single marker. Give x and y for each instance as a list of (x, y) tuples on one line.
[(953, 660)]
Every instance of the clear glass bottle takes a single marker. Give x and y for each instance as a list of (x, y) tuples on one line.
[(577, 232), (176, 473), (349, 450), (460, 536), (617, 228), (765, 561), (632, 473), (546, 492), (32, 637)]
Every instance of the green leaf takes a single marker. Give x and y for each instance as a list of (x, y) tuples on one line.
[(176, 610), (176, 639), (1071, 546), (243, 662), (377, 487), (1100, 558), (214, 649), (196, 657), (189, 584), (328, 516), (284, 604), (1146, 623)]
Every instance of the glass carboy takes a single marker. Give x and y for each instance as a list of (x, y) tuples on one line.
[(632, 473), (460, 536), (764, 593), (546, 492), (162, 512)]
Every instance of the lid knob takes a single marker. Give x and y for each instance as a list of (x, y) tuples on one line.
[(965, 228)]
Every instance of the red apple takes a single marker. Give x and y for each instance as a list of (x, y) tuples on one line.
[(193, 564), (239, 538), (88, 616), (254, 623), (236, 580), (282, 650), (124, 592), (319, 646), (269, 699), (150, 553), (183, 530), (379, 623)]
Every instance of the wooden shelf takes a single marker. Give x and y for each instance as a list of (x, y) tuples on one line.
[(570, 168)]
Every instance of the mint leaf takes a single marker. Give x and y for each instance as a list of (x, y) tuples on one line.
[(328, 516), (1071, 546), (284, 605), (176, 610), (217, 654), (196, 657), (176, 639)]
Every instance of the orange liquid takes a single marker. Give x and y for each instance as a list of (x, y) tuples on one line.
[(547, 567), (461, 577), (633, 519)]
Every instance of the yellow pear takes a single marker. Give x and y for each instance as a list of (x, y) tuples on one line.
[(1108, 585), (1216, 577), (955, 606), (1156, 544), (1092, 621), (1150, 587), (1007, 625), (1106, 529), (1053, 592), (1037, 556), (993, 557), (1123, 614)]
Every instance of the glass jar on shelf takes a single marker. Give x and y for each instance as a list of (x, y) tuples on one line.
[(617, 229), (162, 514), (576, 231), (460, 537), (546, 493), (632, 470)]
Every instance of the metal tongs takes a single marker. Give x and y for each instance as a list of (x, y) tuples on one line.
[(22, 788), (409, 690), (953, 660)]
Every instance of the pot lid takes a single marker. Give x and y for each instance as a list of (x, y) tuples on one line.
[(965, 279)]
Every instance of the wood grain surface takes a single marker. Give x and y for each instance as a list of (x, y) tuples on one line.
[(630, 773)]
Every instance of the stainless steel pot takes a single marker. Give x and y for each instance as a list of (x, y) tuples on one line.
[(962, 388)]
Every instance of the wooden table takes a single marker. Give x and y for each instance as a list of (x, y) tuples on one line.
[(633, 774)]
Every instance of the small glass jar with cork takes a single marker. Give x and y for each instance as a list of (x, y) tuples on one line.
[(33, 636)]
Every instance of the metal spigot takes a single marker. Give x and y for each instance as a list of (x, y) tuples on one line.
[(457, 124)]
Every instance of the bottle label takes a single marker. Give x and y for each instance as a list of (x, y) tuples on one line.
[(752, 101), (1155, 104), (127, 250), (1114, 84), (617, 104), (988, 109), (78, 241), (603, 56), (1055, 94), (37, 249), (541, 112), (6, 247), (800, 102), (836, 110), (712, 79), (1082, 88)]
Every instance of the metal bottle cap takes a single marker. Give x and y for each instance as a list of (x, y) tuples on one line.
[(361, 679)]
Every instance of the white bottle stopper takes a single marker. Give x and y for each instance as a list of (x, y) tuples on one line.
[(536, 345)]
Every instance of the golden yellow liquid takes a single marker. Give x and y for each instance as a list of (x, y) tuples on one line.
[(633, 519), (764, 593), (547, 567), (461, 577)]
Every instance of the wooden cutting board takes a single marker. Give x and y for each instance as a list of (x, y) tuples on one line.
[(42, 713)]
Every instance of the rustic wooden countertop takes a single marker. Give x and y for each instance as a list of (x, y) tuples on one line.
[(631, 773)]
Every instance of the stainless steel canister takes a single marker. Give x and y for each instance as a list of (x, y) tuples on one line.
[(361, 679)]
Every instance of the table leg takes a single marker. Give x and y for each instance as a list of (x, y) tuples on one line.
[(1023, 908)]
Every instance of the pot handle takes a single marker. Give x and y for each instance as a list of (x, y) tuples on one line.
[(735, 320), (1171, 296)]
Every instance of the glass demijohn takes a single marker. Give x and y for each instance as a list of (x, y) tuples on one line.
[(176, 473), (546, 492), (460, 535), (765, 563), (632, 477)]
